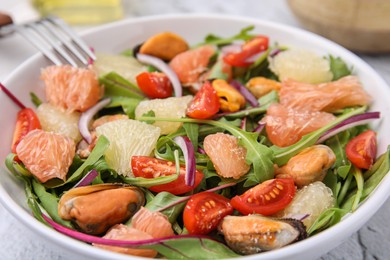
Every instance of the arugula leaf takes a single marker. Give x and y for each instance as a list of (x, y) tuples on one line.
[(283, 154), (49, 203), (216, 71), (163, 199), (381, 168), (327, 219), (258, 155), (219, 41), (128, 104), (97, 152), (338, 67), (192, 131), (35, 99), (150, 113), (192, 247), (148, 182), (116, 85)]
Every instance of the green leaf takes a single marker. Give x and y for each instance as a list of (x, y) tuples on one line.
[(216, 71), (97, 152), (338, 67), (49, 202), (192, 131), (327, 219), (380, 168), (193, 247), (163, 199), (150, 114), (116, 85), (147, 182), (258, 155), (35, 99), (243, 35), (283, 154), (128, 105)]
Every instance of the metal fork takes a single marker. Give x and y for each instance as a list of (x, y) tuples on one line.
[(55, 39)]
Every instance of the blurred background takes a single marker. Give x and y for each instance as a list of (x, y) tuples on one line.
[(360, 25)]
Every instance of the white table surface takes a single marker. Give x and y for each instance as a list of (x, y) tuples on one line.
[(371, 242)]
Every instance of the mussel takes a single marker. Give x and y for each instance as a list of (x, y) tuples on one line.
[(254, 233), (94, 209)]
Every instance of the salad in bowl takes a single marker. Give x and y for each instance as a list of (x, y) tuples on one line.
[(240, 144)]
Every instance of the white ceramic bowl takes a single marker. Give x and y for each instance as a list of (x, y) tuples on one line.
[(125, 34)]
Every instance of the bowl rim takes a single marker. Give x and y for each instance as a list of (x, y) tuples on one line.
[(351, 224)]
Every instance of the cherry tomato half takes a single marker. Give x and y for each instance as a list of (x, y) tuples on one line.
[(266, 198), (204, 211), (361, 150), (248, 49), (155, 84), (150, 167), (26, 121), (205, 103)]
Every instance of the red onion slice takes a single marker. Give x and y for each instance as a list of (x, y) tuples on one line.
[(87, 179), (353, 121), (112, 242), (189, 157), (259, 128), (252, 100), (243, 123), (87, 116), (163, 67), (11, 96), (254, 57)]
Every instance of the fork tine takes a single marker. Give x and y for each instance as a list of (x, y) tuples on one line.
[(38, 43), (57, 47), (72, 35), (51, 28)]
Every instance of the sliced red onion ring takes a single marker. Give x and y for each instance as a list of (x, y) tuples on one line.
[(86, 118), (163, 67), (11, 96), (245, 92), (243, 123), (254, 57), (112, 242), (201, 151), (259, 128), (87, 179), (275, 52), (231, 48), (353, 121), (189, 157)]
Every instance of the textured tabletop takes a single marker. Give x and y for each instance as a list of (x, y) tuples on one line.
[(371, 242)]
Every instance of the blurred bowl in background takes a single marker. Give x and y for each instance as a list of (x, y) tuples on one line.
[(359, 25)]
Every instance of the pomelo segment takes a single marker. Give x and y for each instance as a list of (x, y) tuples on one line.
[(227, 155), (127, 67), (329, 97), (301, 65), (123, 232), (127, 138), (173, 107), (46, 155), (155, 224), (57, 120), (189, 65), (74, 89), (286, 126)]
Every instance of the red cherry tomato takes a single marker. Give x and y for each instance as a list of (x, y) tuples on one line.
[(155, 84), (204, 211), (205, 103), (248, 49), (266, 198), (150, 167), (26, 121), (361, 150)]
